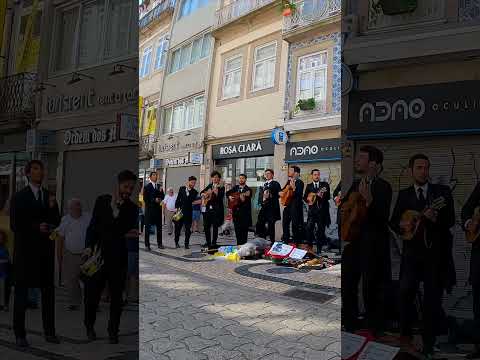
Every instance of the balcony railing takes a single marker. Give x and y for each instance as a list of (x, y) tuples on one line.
[(237, 9), (17, 96), (426, 11), (156, 12), (309, 12), (469, 10)]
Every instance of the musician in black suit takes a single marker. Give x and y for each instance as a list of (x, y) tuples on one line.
[(427, 256), (338, 192), (187, 196), (242, 215), (152, 197), (213, 213), (467, 213), (32, 218), (293, 212), (269, 212), (318, 212), (367, 258)]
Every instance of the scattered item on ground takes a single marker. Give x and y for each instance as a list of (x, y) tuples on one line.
[(254, 248)]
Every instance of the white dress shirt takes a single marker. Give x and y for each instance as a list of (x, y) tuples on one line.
[(169, 202), (74, 231), (424, 189)]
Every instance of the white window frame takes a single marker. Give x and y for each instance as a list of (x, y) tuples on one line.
[(182, 104), (323, 67), (148, 49), (255, 50), (200, 4), (225, 73), (164, 48), (205, 37), (102, 60)]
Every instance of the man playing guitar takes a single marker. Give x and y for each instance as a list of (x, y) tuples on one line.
[(317, 195), (213, 213), (427, 253), (242, 213), (293, 212), (270, 207), (367, 258), (471, 219)]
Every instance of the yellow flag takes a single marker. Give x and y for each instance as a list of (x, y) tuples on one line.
[(27, 55), (140, 117), (3, 13), (151, 121)]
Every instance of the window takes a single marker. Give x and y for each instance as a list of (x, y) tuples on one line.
[(146, 62), (190, 53), (232, 77), (190, 6), (312, 79), (184, 116), (94, 32), (264, 66), (161, 53)]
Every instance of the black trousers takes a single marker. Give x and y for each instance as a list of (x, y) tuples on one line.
[(188, 230), (157, 222), (316, 230), (115, 278), (476, 310), (297, 226), (210, 226), (20, 307), (356, 271), (241, 232), (141, 222), (416, 268)]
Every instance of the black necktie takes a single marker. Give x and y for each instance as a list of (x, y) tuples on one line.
[(316, 186), (422, 202)]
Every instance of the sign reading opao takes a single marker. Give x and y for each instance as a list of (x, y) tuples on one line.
[(90, 135), (250, 148), (313, 150)]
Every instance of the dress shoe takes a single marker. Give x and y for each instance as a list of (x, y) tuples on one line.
[(22, 342), (149, 248), (91, 335), (53, 339), (161, 247), (169, 234), (113, 339), (177, 246), (187, 247)]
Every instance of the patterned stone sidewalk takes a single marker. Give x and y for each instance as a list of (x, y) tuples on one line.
[(186, 314)]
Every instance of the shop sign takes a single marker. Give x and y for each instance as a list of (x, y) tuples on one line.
[(251, 148), (90, 135), (314, 150), (127, 127), (166, 147), (196, 158), (426, 109), (279, 136), (178, 161)]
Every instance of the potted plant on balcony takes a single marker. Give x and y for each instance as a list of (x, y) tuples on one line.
[(306, 105), (288, 7)]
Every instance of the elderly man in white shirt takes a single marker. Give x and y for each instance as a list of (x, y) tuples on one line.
[(72, 233), (169, 209)]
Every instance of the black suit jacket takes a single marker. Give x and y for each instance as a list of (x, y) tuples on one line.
[(153, 210), (337, 190), (321, 207), (184, 202), (243, 214), (270, 210), (438, 234), (296, 205), (467, 213), (34, 252), (215, 204)]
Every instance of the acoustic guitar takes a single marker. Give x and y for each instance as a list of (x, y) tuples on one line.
[(286, 195), (473, 235), (412, 221), (353, 213), (312, 197)]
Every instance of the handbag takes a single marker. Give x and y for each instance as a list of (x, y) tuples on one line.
[(93, 264), (178, 216)]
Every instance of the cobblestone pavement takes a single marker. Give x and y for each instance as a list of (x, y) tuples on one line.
[(193, 309)]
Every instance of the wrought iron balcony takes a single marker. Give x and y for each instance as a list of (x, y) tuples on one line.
[(309, 12), (17, 96), (468, 10), (427, 11), (161, 8), (237, 9)]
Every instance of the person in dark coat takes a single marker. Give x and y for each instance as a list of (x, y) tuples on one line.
[(113, 224), (153, 196), (319, 212), (242, 215), (338, 192), (468, 211), (187, 196), (427, 257), (367, 258), (293, 212), (269, 212), (213, 213), (32, 219)]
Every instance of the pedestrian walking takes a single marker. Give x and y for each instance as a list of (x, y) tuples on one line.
[(169, 209), (153, 195), (71, 244), (196, 214)]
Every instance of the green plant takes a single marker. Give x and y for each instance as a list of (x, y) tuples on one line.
[(306, 105), (286, 4)]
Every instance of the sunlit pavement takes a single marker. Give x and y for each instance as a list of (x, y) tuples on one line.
[(195, 308)]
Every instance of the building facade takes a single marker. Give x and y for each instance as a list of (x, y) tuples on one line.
[(413, 74)]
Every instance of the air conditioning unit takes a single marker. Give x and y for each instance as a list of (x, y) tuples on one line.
[(350, 24)]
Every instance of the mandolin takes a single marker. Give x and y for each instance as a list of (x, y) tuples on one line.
[(312, 197), (353, 213), (412, 221), (286, 195), (473, 235)]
